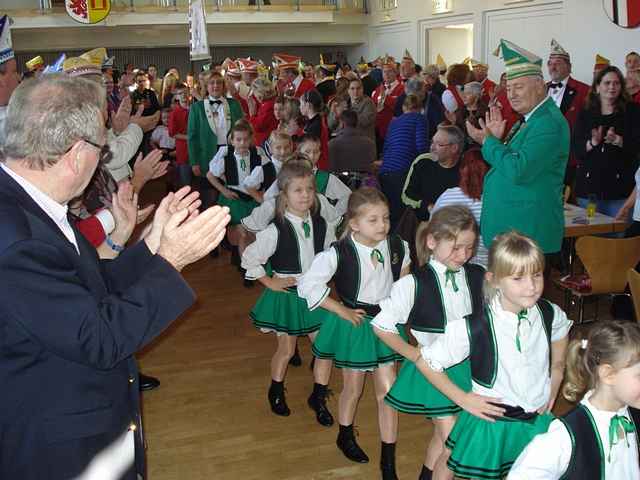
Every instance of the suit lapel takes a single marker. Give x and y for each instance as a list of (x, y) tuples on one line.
[(11, 188)]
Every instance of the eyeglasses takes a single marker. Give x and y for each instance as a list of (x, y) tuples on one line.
[(441, 144), (105, 151)]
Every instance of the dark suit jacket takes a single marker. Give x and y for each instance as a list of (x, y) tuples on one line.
[(69, 326)]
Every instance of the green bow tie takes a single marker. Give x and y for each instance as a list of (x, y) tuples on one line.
[(618, 428), (376, 256), (450, 276), (522, 315), (307, 228)]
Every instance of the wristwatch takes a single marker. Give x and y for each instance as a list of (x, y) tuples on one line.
[(112, 245)]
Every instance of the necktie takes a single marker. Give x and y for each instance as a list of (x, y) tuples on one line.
[(555, 85), (522, 315), (215, 102), (450, 276), (307, 228), (243, 163), (619, 427), (376, 256)]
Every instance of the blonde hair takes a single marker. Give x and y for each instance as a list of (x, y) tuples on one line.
[(277, 135), (606, 343), (357, 201), (512, 253), (298, 167), (168, 82), (445, 224)]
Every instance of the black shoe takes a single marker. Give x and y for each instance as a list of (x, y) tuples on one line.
[(346, 442), (147, 383), (235, 257), (278, 402), (425, 474), (215, 253), (318, 403), (296, 360), (248, 283), (388, 461)]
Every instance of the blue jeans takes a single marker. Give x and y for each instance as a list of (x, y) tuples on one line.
[(606, 207)]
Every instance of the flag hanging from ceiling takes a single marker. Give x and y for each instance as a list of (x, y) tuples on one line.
[(625, 13), (199, 45), (88, 11)]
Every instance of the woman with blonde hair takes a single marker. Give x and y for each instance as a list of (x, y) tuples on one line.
[(261, 114), (169, 85)]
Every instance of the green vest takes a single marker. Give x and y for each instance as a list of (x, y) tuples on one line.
[(523, 189)]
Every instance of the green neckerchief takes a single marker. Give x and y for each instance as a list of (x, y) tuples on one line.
[(376, 256), (307, 228), (619, 426), (522, 315), (450, 276)]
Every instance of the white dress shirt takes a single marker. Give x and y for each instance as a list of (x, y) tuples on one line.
[(256, 177), (259, 252), (557, 93), (55, 211), (261, 216), (220, 120), (522, 377), (216, 167), (375, 279), (548, 455), (395, 309), (123, 147)]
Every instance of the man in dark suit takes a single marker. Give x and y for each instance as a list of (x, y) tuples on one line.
[(71, 323), (568, 94)]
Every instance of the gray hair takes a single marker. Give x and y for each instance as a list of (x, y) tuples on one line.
[(432, 71), (264, 87), (47, 115), (455, 134), (414, 86), (474, 88)]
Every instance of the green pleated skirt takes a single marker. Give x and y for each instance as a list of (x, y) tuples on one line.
[(486, 450), (285, 312), (238, 209), (413, 393), (350, 346)]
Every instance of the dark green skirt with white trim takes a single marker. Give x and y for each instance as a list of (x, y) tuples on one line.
[(413, 393), (486, 450), (238, 209), (285, 312), (350, 346)]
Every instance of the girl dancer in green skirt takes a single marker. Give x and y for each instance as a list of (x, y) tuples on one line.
[(443, 291), (516, 347), (363, 264), (289, 243)]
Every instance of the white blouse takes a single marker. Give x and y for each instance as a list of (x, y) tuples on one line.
[(336, 190), (216, 167), (548, 455), (522, 377), (375, 280), (259, 252), (261, 216), (256, 177), (395, 309)]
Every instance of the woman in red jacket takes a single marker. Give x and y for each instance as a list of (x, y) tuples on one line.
[(261, 109)]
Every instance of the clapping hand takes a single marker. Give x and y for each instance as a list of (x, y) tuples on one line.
[(612, 137), (169, 205), (148, 168), (120, 119), (597, 136), (493, 125), (187, 237), (125, 212)]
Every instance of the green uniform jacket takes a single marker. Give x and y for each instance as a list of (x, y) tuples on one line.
[(202, 142), (523, 188)]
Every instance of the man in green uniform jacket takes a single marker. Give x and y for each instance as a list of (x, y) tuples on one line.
[(210, 120), (523, 188)]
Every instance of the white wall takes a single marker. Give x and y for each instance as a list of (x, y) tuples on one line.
[(453, 44), (581, 26)]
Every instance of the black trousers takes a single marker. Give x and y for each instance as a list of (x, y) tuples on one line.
[(392, 184)]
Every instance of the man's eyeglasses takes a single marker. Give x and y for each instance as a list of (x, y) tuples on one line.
[(105, 152)]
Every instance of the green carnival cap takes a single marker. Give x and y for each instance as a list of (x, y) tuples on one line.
[(518, 61)]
